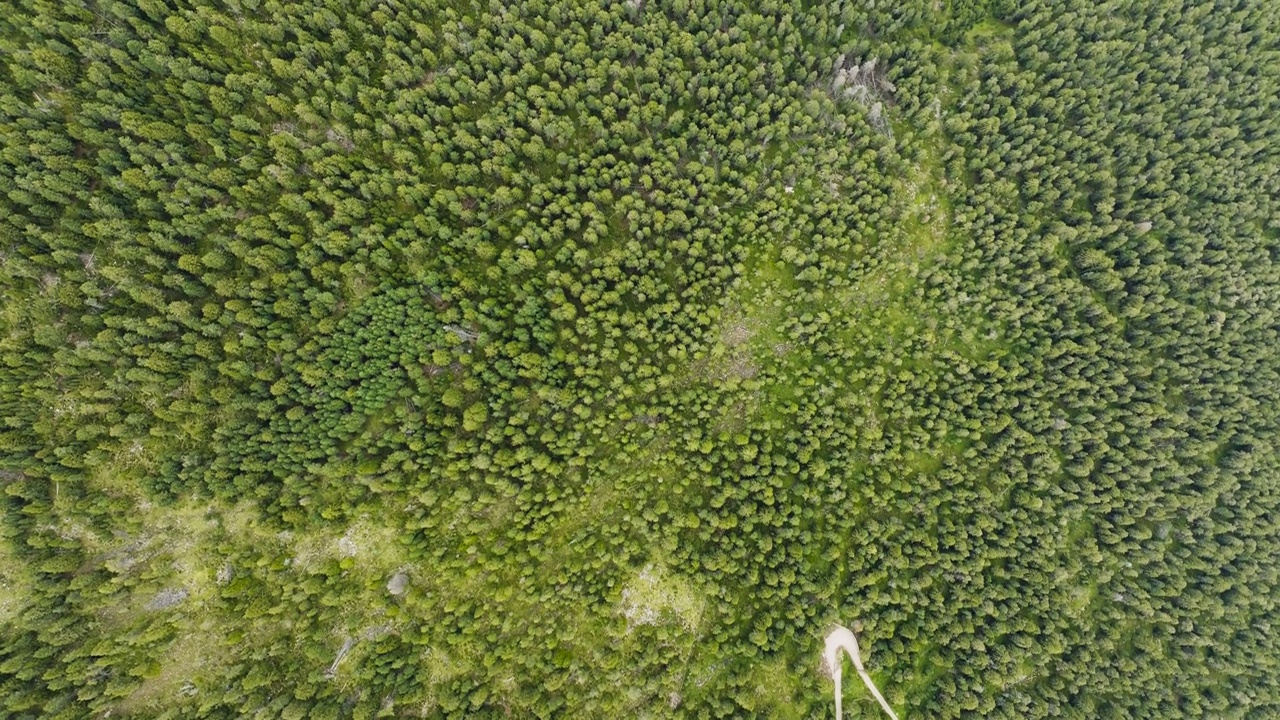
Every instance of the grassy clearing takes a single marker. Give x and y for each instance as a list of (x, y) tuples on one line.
[(776, 691), (173, 569), (656, 595), (751, 333)]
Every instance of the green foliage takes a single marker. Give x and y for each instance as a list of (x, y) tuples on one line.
[(559, 359)]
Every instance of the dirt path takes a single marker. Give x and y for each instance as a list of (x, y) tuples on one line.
[(842, 638)]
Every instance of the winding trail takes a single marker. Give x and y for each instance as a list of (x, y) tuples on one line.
[(842, 638)]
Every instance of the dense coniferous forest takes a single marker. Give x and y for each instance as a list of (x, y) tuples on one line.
[(590, 359)]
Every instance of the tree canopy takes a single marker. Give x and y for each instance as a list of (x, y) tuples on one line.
[(462, 359)]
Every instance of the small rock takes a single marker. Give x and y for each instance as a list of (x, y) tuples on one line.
[(398, 584)]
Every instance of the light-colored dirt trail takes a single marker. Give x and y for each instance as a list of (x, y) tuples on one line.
[(842, 638)]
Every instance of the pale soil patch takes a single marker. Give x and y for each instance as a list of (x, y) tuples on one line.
[(375, 547), (737, 331), (741, 366), (167, 598), (732, 357), (655, 592)]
